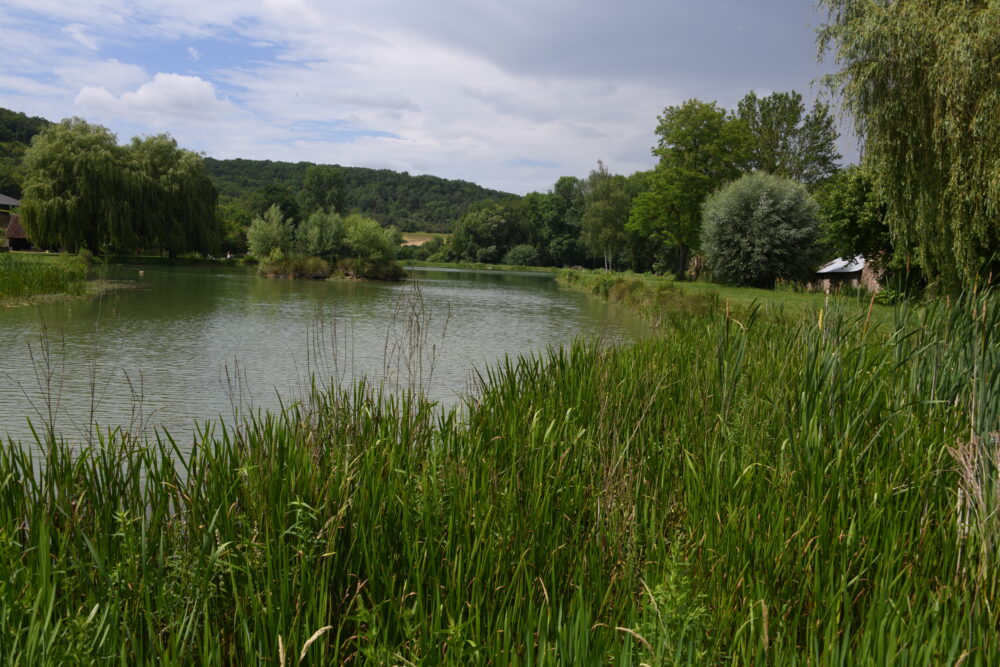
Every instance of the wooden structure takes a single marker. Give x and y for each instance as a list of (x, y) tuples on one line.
[(16, 238), (7, 206), (849, 272)]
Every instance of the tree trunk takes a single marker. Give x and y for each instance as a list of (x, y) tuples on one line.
[(680, 269)]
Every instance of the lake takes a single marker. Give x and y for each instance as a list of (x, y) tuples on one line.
[(188, 344)]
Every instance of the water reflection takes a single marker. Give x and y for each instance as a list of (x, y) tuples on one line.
[(188, 344)]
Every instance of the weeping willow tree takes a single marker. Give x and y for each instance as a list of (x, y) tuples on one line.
[(83, 190), (922, 81), (77, 192), (176, 199)]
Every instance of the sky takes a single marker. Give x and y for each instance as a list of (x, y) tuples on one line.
[(509, 94)]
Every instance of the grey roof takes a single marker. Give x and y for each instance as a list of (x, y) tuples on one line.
[(8, 201), (842, 265)]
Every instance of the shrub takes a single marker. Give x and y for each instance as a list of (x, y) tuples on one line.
[(268, 233), (522, 255), (389, 270), (760, 228), (369, 241), (322, 234), (294, 265)]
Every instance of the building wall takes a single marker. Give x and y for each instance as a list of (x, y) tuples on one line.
[(871, 278)]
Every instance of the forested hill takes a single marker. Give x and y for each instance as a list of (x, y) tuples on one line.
[(16, 131), (412, 203)]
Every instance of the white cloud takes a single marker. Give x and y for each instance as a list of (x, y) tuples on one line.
[(167, 99), (79, 33), (25, 86), (112, 75), (193, 54)]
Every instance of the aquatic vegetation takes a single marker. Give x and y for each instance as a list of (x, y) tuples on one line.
[(24, 276)]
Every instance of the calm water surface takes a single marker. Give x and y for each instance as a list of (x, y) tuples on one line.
[(189, 344)]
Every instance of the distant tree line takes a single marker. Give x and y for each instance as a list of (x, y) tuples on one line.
[(411, 203), (654, 220), (81, 189)]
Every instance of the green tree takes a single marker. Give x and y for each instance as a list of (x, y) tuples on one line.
[(78, 192), (235, 221), (269, 233), (323, 189), (787, 141), (852, 216), (663, 217), (11, 170), (606, 207), (369, 241), (700, 147), (487, 231), (322, 234), (176, 206), (259, 201), (920, 80), (759, 228), (562, 236), (524, 254)]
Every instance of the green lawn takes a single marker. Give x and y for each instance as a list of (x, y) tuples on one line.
[(642, 286)]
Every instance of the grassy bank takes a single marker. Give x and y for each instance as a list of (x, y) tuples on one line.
[(28, 276), (161, 260), (473, 266), (765, 490), (653, 295)]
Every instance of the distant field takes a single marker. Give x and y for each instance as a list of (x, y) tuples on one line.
[(420, 238)]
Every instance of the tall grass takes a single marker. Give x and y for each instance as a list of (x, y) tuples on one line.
[(22, 277), (767, 488)]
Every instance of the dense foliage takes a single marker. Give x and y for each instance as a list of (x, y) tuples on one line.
[(760, 228), (920, 79), (606, 209), (359, 246), (786, 141), (271, 232), (16, 131), (83, 190), (411, 203), (852, 216), (700, 147)]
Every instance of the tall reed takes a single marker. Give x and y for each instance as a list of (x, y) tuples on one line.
[(22, 277), (752, 487)]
